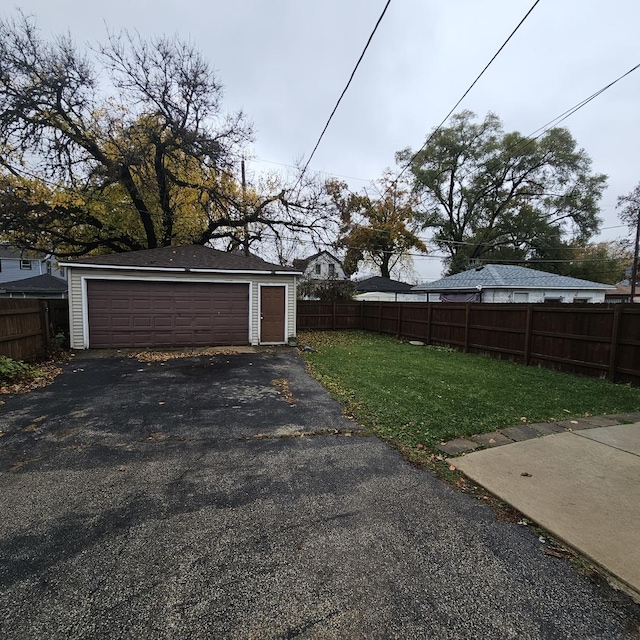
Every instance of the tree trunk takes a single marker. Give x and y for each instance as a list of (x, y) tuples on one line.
[(384, 266)]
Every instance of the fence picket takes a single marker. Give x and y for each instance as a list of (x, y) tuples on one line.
[(597, 340)]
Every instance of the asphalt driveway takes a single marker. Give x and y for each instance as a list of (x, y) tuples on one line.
[(175, 501)]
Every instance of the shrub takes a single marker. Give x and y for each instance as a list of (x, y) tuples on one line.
[(15, 370)]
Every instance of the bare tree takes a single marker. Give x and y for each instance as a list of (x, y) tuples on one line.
[(148, 159)]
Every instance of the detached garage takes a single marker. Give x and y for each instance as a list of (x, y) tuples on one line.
[(179, 296)]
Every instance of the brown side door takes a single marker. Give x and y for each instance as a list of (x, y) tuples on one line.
[(272, 314)]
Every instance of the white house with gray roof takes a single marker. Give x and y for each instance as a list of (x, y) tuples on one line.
[(500, 283), (19, 264)]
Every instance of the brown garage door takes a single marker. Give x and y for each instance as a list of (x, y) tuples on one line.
[(163, 314)]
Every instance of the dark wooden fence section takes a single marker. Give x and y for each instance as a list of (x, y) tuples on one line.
[(59, 316), (594, 340), (27, 326)]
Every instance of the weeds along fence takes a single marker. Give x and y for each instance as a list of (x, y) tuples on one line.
[(595, 340), (28, 325)]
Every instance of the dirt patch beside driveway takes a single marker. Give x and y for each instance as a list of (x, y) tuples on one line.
[(179, 499)]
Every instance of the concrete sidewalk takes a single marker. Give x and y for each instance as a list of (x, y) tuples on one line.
[(581, 486)]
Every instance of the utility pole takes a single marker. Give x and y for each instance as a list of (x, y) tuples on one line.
[(245, 240), (634, 269)]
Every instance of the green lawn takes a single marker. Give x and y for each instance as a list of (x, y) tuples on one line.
[(422, 395)]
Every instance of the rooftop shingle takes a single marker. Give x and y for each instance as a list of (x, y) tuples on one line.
[(505, 276), (378, 283), (37, 284), (184, 257)]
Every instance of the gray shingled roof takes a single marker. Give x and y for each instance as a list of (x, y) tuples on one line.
[(504, 276), (193, 256), (37, 284), (378, 283)]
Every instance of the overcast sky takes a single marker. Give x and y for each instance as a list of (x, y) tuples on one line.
[(285, 62)]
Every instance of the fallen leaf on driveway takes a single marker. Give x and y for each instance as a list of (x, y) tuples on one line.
[(161, 402), (525, 474), (452, 468), (122, 468)]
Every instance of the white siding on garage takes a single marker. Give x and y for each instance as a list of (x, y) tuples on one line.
[(77, 307), (385, 296)]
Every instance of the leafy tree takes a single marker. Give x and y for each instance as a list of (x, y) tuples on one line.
[(600, 262), (629, 206), (490, 193), (327, 290), (143, 160), (382, 230)]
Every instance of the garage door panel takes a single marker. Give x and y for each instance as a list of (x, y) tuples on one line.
[(124, 323), (146, 314)]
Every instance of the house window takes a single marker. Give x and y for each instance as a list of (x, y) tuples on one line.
[(332, 270), (520, 296), (553, 298), (25, 264), (49, 267), (582, 300), (318, 269)]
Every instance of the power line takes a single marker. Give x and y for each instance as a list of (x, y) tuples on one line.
[(569, 112), (464, 95), (344, 91), (327, 173)]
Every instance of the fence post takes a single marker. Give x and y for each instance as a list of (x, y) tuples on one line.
[(333, 316), (527, 334), (44, 324), (429, 317), (380, 316), (361, 315), (399, 331), (615, 335), (467, 314)]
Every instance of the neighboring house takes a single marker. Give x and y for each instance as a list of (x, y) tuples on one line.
[(622, 293), (180, 296), (18, 264), (378, 288), (508, 283), (44, 286), (321, 266)]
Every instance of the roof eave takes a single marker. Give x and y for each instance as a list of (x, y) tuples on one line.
[(178, 269), (604, 287)]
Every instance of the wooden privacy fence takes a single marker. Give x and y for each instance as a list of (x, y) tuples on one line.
[(595, 340), (26, 326)]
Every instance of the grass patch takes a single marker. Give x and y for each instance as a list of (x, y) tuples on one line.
[(422, 395)]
